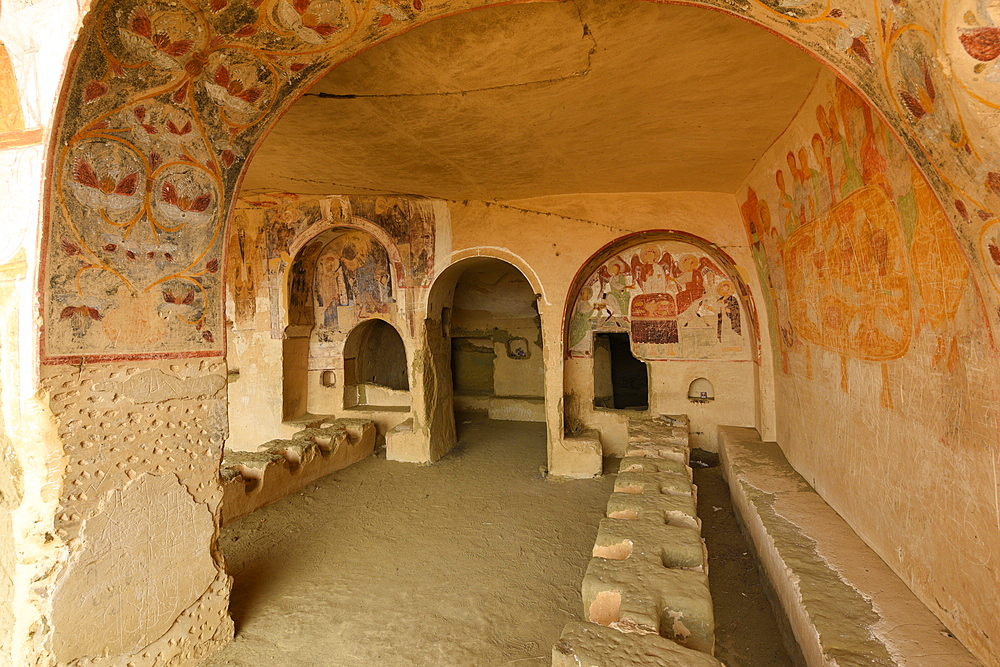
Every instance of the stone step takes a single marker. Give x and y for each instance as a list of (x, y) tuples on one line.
[(655, 543), (638, 596), (658, 450), (590, 645), (669, 508), (654, 483), (647, 464)]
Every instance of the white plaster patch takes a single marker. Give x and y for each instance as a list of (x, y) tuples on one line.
[(144, 559)]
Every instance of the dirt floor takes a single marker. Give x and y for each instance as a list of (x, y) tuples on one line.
[(475, 560), (747, 633)]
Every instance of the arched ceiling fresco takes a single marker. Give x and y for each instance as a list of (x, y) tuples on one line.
[(165, 102), (531, 100)]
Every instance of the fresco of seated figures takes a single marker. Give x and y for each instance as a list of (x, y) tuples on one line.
[(855, 251), (673, 300)]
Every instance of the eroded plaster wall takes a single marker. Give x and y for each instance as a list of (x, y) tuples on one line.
[(885, 372), (137, 513)]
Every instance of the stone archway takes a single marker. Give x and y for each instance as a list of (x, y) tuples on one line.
[(684, 310), (439, 399), (163, 106)]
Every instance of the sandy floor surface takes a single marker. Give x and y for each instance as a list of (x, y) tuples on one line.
[(747, 633), (473, 561)]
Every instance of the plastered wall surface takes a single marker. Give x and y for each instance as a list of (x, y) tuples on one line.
[(733, 403), (138, 513), (496, 303), (884, 362)]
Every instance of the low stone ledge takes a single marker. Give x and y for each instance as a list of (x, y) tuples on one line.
[(658, 450), (580, 458), (404, 444), (845, 606), (632, 595), (590, 645), (670, 429), (654, 483), (673, 509), (652, 541), (251, 480)]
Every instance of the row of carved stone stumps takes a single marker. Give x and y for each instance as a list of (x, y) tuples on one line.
[(251, 480), (646, 599)]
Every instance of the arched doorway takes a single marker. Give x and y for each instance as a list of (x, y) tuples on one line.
[(485, 342), (646, 315)]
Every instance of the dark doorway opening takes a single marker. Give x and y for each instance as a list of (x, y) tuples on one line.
[(620, 380)]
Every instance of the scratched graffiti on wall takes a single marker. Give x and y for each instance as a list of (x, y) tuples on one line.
[(674, 301), (856, 253)]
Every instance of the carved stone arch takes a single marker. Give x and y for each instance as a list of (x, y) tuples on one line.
[(609, 250), (106, 110), (358, 224), (503, 254)]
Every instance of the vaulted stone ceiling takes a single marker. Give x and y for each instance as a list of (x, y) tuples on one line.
[(528, 100)]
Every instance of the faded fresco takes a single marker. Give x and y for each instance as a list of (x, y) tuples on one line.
[(353, 282), (11, 116), (333, 284), (166, 102), (673, 300), (847, 235), (885, 368)]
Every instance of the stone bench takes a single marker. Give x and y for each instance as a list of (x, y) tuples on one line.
[(645, 592), (673, 509), (251, 480), (634, 595), (845, 606), (654, 483), (652, 541)]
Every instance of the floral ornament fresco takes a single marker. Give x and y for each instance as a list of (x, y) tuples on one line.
[(673, 300), (166, 100)]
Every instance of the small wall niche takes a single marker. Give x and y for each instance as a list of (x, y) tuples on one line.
[(375, 367), (701, 391)]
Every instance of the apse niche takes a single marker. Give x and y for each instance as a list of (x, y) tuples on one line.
[(342, 347), (375, 367), (649, 315)]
